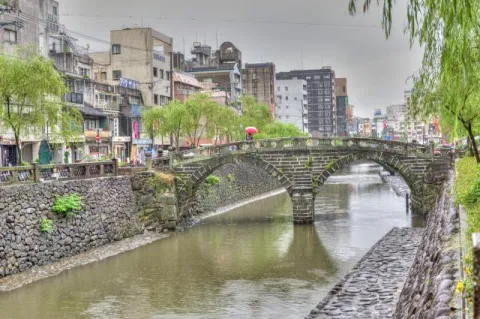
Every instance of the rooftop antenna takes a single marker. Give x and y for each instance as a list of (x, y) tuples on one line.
[(184, 46), (216, 35)]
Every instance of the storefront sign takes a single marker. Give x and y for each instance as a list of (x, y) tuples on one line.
[(141, 141), (121, 139)]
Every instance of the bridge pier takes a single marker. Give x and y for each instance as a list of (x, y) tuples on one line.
[(303, 201)]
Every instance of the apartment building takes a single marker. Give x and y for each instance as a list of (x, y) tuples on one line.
[(322, 119), (141, 55), (292, 103)]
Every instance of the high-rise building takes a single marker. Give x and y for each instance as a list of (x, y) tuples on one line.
[(342, 104), (292, 103), (322, 116), (258, 80)]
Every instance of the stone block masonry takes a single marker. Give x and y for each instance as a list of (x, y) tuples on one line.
[(371, 289), (108, 214)]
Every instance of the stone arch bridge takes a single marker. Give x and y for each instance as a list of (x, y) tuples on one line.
[(302, 165)]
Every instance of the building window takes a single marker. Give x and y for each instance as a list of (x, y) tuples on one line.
[(317, 77), (287, 116), (116, 49), (295, 98), (243, 76), (155, 72), (168, 75), (344, 89), (103, 75), (278, 89), (286, 106), (161, 74), (254, 76), (286, 88), (55, 11), (286, 98), (279, 117), (10, 35), (155, 99), (84, 72), (308, 77), (116, 74), (255, 90)]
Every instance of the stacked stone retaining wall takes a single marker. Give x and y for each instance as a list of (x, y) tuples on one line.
[(430, 286), (108, 214)]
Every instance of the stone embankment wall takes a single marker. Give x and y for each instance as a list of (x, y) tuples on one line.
[(108, 214), (430, 286), (113, 208), (237, 182)]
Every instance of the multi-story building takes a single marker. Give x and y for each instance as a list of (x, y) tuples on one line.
[(258, 80), (28, 22), (396, 119), (342, 105), (25, 23), (142, 55), (223, 68), (185, 85), (322, 116), (292, 103)]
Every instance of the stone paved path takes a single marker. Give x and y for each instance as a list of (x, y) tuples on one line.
[(370, 290)]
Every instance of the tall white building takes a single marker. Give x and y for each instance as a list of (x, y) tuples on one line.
[(292, 102)]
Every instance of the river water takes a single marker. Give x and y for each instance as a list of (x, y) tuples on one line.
[(250, 262)]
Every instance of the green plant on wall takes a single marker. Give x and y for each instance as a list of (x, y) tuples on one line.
[(67, 205), (212, 180), (308, 164), (66, 156), (161, 182), (330, 165), (46, 225)]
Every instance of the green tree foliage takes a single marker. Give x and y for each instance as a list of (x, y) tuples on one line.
[(166, 121), (255, 114), (31, 94), (448, 82), (225, 124), (277, 129), (200, 113)]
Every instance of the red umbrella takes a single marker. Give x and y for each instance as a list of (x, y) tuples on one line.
[(251, 130)]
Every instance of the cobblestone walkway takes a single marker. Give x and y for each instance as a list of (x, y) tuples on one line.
[(370, 290)]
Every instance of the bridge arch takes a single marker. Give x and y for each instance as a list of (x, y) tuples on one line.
[(189, 181), (413, 181)]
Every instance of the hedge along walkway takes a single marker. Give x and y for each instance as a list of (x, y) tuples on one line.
[(467, 194), (371, 288)]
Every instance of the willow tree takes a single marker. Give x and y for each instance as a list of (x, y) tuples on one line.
[(166, 121), (447, 83), (255, 114), (31, 92), (200, 112), (225, 123)]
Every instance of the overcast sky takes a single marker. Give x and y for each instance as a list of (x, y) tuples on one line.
[(270, 31)]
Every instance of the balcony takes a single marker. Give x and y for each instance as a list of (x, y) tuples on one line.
[(106, 105)]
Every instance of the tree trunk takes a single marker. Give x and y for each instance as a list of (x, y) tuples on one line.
[(19, 150), (469, 146), (474, 143)]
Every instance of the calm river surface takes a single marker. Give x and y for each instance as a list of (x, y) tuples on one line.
[(250, 262)]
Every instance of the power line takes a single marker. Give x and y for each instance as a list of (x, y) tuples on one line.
[(225, 20)]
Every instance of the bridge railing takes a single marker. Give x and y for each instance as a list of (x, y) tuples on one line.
[(312, 143), (43, 173)]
